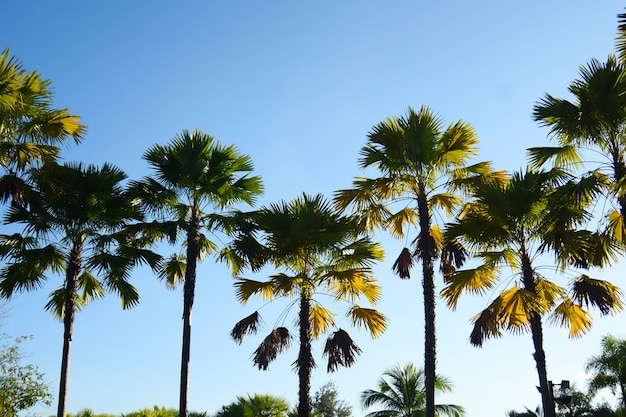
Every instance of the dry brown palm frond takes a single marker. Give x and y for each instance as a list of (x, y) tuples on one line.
[(277, 341), (598, 293), (485, 326), (402, 265), (341, 350), (12, 188), (453, 256), (248, 325)]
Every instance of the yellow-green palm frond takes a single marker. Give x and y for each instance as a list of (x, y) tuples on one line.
[(505, 257), (458, 143), (474, 281), (549, 291), (173, 271), (340, 350), (373, 320), (247, 325), (352, 284), (284, 285), (447, 201), (515, 306), (246, 288), (56, 303), (616, 226), (620, 40), (395, 224), (601, 294), (206, 247), (566, 156), (321, 320), (573, 316), (273, 344)]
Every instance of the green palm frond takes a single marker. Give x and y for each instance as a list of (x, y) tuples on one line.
[(352, 284), (566, 156), (273, 344), (247, 325), (396, 223), (173, 271), (56, 303), (340, 350), (371, 319), (246, 288), (90, 286), (601, 294)]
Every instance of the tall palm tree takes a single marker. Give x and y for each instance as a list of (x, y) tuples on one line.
[(401, 393), (595, 119), (194, 179), (507, 226), (418, 158), (318, 251), (31, 130), (609, 368), (73, 226)]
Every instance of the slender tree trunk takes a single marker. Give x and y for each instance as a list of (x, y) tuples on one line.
[(71, 278), (305, 361), (536, 329), (427, 252), (193, 236)]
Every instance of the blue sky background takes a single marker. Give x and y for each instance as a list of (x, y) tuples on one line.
[(297, 86)]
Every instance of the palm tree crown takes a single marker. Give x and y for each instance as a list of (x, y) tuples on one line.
[(609, 368), (74, 225), (421, 161), (195, 179), (507, 226), (318, 251), (401, 393)]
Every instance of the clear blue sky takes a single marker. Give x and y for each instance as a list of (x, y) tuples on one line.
[(296, 85)]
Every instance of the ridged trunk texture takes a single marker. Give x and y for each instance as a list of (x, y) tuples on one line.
[(304, 358), (428, 254), (193, 236), (71, 279), (536, 330)]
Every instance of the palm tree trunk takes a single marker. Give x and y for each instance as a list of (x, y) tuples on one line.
[(536, 329), (427, 252), (71, 278), (305, 363), (193, 236)]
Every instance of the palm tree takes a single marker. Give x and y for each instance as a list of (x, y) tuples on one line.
[(195, 178), (595, 120), (507, 226), (418, 158), (401, 392), (30, 128), (609, 367), (73, 226), (317, 251)]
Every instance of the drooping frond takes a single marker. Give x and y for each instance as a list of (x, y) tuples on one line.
[(453, 256), (321, 320), (248, 325), (340, 350), (567, 157), (173, 271), (402, 266), (601, 294), (373, 320), (573, 316), (276, 342), (486, 325)]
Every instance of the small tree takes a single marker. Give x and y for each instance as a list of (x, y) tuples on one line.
[(326, 403), (21, 386)]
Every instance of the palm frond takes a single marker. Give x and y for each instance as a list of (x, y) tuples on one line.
[(601, 294), (321, 320), (248, 325), (571, 315), (276, 342), (340, 350), (403, 264), (373, 320)]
